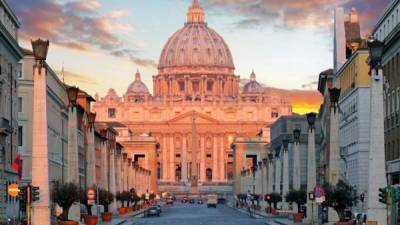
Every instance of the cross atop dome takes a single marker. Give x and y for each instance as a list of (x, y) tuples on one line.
[(137, 76), (253, 76), (195, 13)]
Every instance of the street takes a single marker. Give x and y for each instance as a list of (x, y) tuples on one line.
[(194, 214)]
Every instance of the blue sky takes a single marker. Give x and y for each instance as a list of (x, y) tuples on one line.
[(101, 43)]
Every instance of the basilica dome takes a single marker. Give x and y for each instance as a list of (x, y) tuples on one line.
[(137, 86), (196, 45), (253, 87)]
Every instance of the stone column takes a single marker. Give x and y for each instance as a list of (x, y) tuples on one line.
[(376, 211), (270, 174), (171, 158), (285, 188), (311, 169), (202, 159), (91, 165), (278, 171), (40, 159), (334, 149), (125, 175), (112, 184), (215, 177), (184, 159), (164, 159), (118, 183), (129, 172), (72, 150), (296, 167), (221, 159), (103, 169)]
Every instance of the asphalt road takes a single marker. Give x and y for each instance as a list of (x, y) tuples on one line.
[(193, 214)]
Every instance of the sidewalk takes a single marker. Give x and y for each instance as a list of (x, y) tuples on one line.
[(271, 220)]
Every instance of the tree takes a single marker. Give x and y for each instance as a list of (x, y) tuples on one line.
[(340, 197), (65, 195), (275, 198), (297, 196), (105, 198)]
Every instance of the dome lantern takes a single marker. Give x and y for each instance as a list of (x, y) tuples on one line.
[(195, 13)]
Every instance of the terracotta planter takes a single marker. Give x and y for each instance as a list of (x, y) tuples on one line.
[(90, 220), (60, 222), (297, 217), (122, 211), (106, 217), (343, 223)]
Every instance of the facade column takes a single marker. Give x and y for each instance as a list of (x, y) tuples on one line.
[(278, 171), (125, 175), (72, 150), (296, 164), (118, 183), (40, 159), (271, 172), (112, 184), (311, 169), (221, 158), (129, 172), (376, 210), (171, 158), (103, 169), (215, 159), (184, 159), (165, 159), (285, 173), (202, 159), (91, 166)]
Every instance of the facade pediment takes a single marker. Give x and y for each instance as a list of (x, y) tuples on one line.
[(187, 118)]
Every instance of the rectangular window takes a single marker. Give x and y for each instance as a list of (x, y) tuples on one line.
[(20, 135), (19, 104), (209, 86), (111, 113), (196, 86)]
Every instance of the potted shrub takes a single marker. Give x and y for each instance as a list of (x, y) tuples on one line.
[(89, 218), (135, 199), (340, 197), (65, 195), (299, 197), (106, 198), (121, 210)]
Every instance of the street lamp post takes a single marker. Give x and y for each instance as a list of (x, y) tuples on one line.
[(285, 187), (40, 159), (311, 169), (375, 210), (91, 167), (72, 153), (296, 162)]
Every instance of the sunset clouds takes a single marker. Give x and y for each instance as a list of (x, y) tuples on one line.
[(78, 25)]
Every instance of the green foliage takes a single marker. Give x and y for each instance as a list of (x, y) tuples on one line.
[(340, 197), (275, 198), (105, 199), (297, 196), (65, 195)]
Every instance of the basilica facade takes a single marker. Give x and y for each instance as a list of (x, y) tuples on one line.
[(197, 108)]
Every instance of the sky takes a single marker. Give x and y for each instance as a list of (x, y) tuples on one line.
[(101, 43)]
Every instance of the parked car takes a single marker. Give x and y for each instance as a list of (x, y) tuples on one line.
[(152, 210), (212, 201), (184, 199), (191, 201), (200, 202)]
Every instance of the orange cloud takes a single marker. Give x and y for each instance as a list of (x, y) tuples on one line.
[(305, 101)]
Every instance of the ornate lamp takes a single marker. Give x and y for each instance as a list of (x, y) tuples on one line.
[(334, 95), (270, 157), (311, 117), (285, 143), (72, 94), (296, 135), (277, 152), (260, 164), (375, 52), (40, 48), (265, 161)]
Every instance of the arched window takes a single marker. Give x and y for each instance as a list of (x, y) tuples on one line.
[(209, 174)]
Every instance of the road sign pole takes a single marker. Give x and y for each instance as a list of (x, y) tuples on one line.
[(28, 205)]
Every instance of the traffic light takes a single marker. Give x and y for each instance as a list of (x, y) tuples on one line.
[(22, 194), (35, 194), (382, 195), (395, 195)]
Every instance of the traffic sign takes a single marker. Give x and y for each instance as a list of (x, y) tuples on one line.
[(319, 193), (13, 190)]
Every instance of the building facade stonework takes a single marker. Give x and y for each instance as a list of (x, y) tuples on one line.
[(197, 107)]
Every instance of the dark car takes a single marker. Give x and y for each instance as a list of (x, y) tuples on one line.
[(200, 202), (152, 211), (191, 201), (169, 201)]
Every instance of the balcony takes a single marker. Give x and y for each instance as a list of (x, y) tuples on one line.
[(5, 128)]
